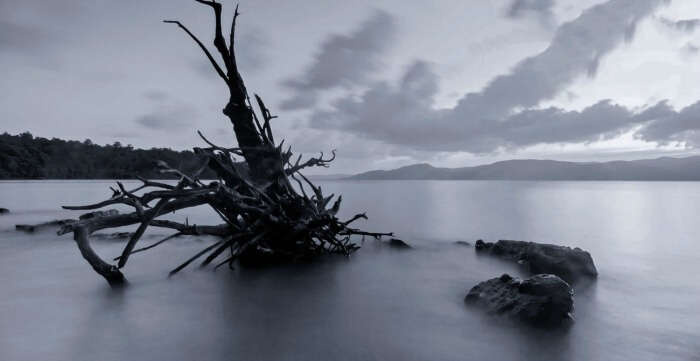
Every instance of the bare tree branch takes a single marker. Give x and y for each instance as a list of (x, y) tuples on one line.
[(311, 162), (201, 46)]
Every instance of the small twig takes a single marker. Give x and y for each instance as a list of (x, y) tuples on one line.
[(152, 245), (180, 267)]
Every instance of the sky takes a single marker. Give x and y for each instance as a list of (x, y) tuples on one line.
[(385, 83)]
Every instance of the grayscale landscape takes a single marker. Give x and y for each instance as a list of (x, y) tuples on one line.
[(366, 180)]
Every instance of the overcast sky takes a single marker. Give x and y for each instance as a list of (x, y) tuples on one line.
[(386, 83)]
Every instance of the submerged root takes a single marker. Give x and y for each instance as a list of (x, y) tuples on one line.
[(262, 224)]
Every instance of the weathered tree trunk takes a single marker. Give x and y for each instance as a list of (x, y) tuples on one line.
[(263, 165)]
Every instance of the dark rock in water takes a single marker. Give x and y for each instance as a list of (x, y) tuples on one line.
[(463, 243), (543, 300), (4, 211), (397, 243), (95, 214), (29, 228), (571, 264)]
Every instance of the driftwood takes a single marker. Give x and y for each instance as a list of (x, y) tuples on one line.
[(265, 218)]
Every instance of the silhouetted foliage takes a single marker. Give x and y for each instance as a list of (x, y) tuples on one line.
[(24, 156)]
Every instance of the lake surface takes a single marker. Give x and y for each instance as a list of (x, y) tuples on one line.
[(379, 304)]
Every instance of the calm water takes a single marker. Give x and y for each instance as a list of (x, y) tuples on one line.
[(381, 304)]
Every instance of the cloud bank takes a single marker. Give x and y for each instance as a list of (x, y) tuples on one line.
[(504, 113)]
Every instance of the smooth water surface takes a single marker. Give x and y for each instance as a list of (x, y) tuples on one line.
[(380, 304)]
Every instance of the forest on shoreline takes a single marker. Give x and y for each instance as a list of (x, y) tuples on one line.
[(24, 156)]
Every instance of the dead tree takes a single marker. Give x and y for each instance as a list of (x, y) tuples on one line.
[(265, 218)]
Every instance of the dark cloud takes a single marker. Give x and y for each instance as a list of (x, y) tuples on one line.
[(540, 8), (687, 25), (673, 126), (398, 114), (343, 61), (20, 34), (168, 118), (21, 38)]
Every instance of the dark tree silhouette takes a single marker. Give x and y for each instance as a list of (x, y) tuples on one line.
[(24, 156), (266, 220)]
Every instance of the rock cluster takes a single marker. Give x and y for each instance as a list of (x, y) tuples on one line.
[(546, 298)]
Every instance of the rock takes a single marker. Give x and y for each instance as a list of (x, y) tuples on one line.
[(4, 211), (571, 264), (542, 300), (463, 243), (95, 214), (480, 244), (30, 228), (397, 243)]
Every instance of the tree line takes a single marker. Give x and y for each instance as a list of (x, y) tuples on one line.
[(24, 156)]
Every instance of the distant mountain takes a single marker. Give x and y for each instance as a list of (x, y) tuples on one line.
[(665, 168), (327, 177)]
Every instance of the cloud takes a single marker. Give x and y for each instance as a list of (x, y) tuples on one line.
[(688, 25), (673, 126), (540, 8), (690, 49), (501, 114), (156, 95), (343, 61), (40, 38), (21, 38), (576, 48), (403, 115), (387, 112), (168, 117)]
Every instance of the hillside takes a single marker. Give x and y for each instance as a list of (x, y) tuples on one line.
[(665, 168)]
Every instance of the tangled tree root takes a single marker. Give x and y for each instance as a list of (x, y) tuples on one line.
[(265, 218)]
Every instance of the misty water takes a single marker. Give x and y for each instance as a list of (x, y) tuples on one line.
[(379, 304)]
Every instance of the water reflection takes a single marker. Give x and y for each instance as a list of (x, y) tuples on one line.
[(379, 304)]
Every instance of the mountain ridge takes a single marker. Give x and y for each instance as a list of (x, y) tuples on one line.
[(662, 168)]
